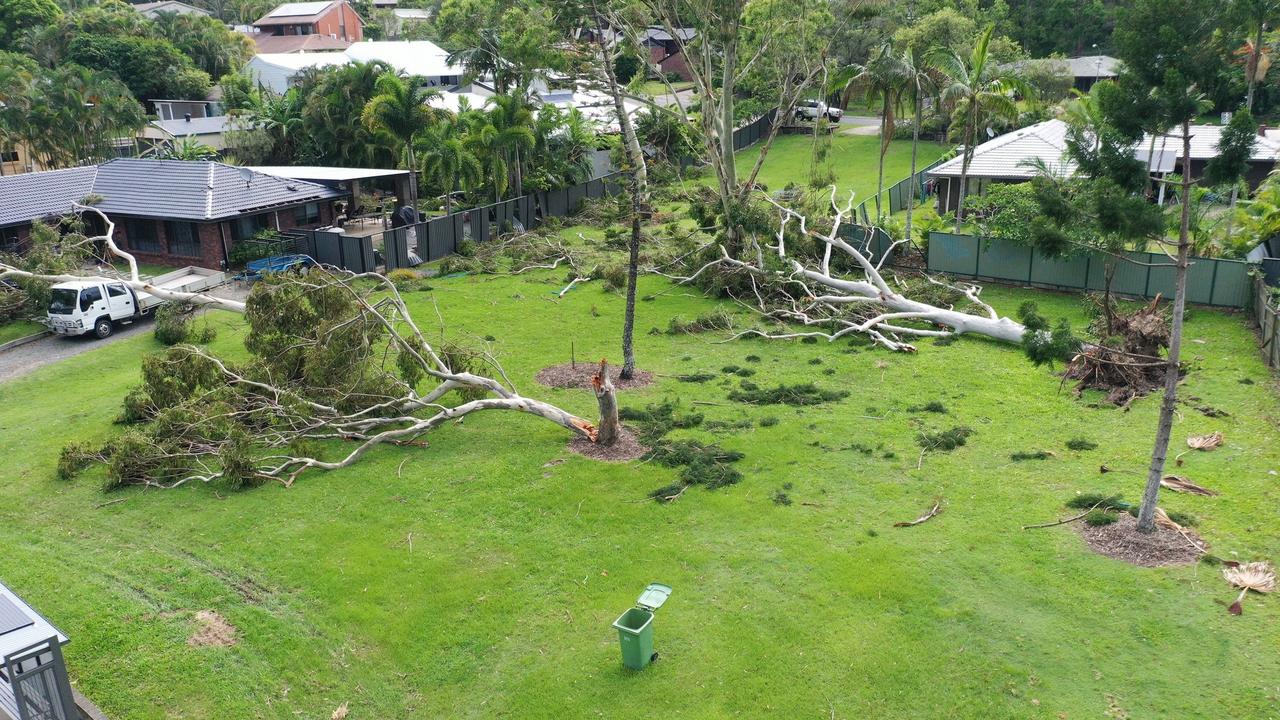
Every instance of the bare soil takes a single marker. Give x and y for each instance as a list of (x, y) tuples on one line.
[(1122, 541), (624, 449), (213, 631), (568, 376)]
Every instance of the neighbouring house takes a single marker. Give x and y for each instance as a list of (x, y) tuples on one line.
[(411, 15), (1011, 158), (278, 71), (153, 9), (208, 131), (355, 183), (332, 18), (1084, 71), (178, 109), (411, 57), (16, 159), (167, 212), (272, 44), (666, 53)]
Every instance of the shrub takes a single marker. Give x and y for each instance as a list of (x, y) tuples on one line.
[(402, 276)]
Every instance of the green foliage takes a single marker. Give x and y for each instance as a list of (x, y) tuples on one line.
[(1042, 345), (173, 325), (1235, 147), (19, 16), (1080, 444), (718, 319), (797, 395), (1085, 501), (1008, 211), (402, 276), (1023, 455), (1099, 518), (945, 440), (151, 68)]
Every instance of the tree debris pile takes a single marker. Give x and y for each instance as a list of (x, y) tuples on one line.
[(1128, 363), (705, 464), (333, 359)]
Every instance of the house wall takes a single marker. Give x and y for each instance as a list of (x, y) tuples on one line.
[(342, 22), (670, 60), (212, 236)]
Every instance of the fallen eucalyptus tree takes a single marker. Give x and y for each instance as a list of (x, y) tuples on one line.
[(334, 358), (805, 291)]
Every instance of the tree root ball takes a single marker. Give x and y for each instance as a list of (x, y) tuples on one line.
[(1121, 541), (579, 378), (624, 449)]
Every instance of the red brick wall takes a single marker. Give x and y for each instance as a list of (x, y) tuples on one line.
[(669, 63), (210, 246)]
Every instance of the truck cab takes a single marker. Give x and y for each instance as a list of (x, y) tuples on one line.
[(82, 306)]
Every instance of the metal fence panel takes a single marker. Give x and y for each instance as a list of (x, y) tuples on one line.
[(326, 247), (1231, 286), (1210, 281), (1064, 272), (956, 254), (575, 195), (1004, 260)]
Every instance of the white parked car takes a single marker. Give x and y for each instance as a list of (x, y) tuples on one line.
[(814, 109)]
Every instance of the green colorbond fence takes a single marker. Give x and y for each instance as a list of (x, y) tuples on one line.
[(1210, 281)]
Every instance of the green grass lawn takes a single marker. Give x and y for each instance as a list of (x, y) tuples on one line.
[(654, 88), (18, 329), (854, 160), (523, 553)]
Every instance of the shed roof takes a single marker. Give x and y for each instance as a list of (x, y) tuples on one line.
[(412, 57), (21, 626), (269, 44), (168, 189)]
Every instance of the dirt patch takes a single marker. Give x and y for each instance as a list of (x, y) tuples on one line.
[(568, 376), (1121, 540), (213, 631), (624, 449)]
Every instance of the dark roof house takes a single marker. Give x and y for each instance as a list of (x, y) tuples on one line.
[(172, 212)]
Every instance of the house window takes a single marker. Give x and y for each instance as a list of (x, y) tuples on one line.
[(184, 238), (141, 235), (9, 156), (308, 214), (246, 226), (9, 240)]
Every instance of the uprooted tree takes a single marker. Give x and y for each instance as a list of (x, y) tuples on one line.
[(335, 359)]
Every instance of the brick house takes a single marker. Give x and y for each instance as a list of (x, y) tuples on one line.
[(167, 212), (335, 19), (666, 51)]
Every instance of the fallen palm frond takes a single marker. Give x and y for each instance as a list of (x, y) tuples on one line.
[(1256, 576), (1180, 484), (1204, 443), (937, 508), (1164, 521)]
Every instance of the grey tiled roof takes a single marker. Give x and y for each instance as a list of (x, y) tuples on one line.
[(171, 189)]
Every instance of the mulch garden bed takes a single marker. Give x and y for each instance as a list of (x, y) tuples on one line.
[(1121, 540), (568, 376), (624, 449)]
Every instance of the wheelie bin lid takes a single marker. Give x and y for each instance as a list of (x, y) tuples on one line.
[(654, 596)]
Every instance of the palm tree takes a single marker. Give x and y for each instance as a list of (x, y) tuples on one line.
[(399, 112), (187, 148), (882, 79), (919, 85), (448, 162), (976, 87), (484, 58), (510, 122), (1255, 16)]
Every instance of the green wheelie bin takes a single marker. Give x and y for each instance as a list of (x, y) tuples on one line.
[(635, 627)]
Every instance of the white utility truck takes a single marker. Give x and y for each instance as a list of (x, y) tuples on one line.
[(96, 305)]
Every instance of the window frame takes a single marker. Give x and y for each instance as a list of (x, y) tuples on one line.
[(139, 242), (180, 247)]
